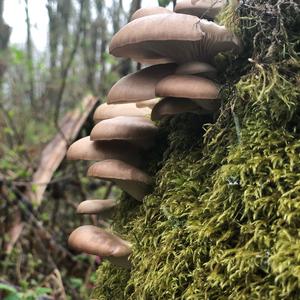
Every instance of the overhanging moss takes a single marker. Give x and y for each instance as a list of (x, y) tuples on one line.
[(223, 220)]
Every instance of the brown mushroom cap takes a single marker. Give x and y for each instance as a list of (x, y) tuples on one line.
[(203, 90), (137, 130), (200, 8), (103, 207), (139, 86), (173, 106), (85, 149), (195, 67), (177, 37), (132, 180), (148, 11), (96, 241), (148, 103), (105, 111)]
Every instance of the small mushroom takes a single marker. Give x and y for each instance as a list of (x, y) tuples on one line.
[(137, 130), (139, 86), (206, 9), (174, 37), (104, 208), (129, 178), (105, 111), (148, 11), (173, 106), (202, 90), (96, 241), (85, 149), (148, 103), (196, 68)]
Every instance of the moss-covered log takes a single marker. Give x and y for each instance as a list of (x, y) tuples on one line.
[(223, 221)]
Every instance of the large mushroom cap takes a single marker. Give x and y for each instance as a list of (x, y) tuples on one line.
[(132, 180), (200, 8), (96, 241), (173, 106), (138, 130), (148, 103), (205, 91), (195, 67), (177, 37), (139, 86), (105, 111), (85, 149), (96, 206), (148, 11)]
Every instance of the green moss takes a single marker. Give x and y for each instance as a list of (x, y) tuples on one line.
[(223, 219)]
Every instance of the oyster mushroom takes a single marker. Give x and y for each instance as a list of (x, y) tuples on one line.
[(139, 86), (201, 90), (148, 103), (196, 68), (129, 178), (85, 149), (137, 130), (104, 208), (173, 106), (200, 8), (148, 11), (174, 37), (96, 241), (105, 111)]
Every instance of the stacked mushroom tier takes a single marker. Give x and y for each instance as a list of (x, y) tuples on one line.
[(180, 48)]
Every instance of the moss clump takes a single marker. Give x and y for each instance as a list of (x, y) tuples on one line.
[(223, 220)]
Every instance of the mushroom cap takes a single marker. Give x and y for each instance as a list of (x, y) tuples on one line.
[(85, 149), (108, 111), (200, 8), (131, 179), (139, 86), (96, 206), (203, 90), (148, 11), (137, 130), (173, 106), (196, 67), (148, 103), (176, 37), (96, 241)]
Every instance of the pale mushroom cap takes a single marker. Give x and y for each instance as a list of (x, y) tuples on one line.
[(139, 86), (147, 11), (124, 128), (176, 37), (96, 241), (132, 180), (187, 86), (148, 103), (105, 111), (85, 149), (173, 106), (195, 67), (96, 206), (200, 8)]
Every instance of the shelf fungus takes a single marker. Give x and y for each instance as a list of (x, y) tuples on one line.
[(103, 208), (85, 149), (137, 130), (207, 9), (129, 178), (148, 11), (96, 241), (174, 37), (108, 111), (139, 86), (201, 90), (172, 106)]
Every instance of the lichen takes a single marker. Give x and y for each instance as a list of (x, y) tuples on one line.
[(223, 219)]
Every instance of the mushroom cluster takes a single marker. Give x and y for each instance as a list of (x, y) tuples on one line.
[(180, 48)]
